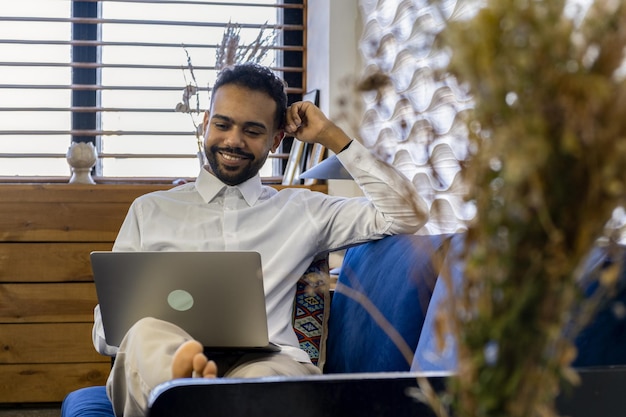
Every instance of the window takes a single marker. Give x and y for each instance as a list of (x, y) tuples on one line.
[(112, 72)]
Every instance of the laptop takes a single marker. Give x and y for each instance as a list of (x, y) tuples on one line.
[(217, 297)]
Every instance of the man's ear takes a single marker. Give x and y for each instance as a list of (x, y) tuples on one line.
[(205, 123), (278, 137)]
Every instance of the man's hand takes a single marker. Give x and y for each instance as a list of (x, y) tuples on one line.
[(308, 123)]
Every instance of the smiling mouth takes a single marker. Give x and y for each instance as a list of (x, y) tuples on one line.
[(231, 157), (233, 154)]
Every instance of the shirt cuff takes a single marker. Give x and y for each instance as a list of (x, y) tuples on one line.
[(356, 157), (347, 146)]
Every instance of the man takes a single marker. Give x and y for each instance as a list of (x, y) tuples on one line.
[(228, 208)]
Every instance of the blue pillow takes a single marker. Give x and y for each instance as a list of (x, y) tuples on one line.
[(87, 402), (397, 275), (427, 356)]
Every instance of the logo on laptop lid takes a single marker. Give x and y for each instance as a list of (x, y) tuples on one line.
[(180, 300)]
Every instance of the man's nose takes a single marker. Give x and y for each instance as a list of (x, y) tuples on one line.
[(234, 138)]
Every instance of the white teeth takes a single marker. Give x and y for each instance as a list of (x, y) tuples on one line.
[(230, 157)]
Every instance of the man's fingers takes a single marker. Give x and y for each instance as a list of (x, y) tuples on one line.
[(294, 119)]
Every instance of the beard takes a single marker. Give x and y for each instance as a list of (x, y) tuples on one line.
[(233, 175)]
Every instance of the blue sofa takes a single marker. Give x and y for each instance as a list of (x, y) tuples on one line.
[(379, 321)]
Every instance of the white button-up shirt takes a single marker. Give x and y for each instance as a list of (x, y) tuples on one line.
[(288, 228)]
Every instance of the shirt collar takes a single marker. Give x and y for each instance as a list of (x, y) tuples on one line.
[(209, 186)]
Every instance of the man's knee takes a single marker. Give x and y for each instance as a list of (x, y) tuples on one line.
[(254, 370), (275, 365), (149, 330), (146, 323)]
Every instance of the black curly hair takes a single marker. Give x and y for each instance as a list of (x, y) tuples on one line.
[(257, 78)]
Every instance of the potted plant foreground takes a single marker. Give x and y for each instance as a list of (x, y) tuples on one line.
[(547, 169)]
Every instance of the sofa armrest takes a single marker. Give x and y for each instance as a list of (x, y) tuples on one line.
[(355, 395), (345, 395)]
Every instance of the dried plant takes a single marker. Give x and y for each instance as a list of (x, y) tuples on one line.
[(191, 92), (229, 52), (548, 142)]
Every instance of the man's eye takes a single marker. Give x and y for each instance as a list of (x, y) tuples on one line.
[(221, 126), (253, 132)]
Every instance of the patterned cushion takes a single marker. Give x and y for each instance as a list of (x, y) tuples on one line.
[(309, 320)]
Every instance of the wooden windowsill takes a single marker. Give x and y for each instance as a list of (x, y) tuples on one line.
[(100, 192), (272, 181)]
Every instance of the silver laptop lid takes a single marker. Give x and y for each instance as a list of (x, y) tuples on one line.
[(217, 297)]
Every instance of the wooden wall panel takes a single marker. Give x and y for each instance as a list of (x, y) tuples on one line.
[(76, 193), (61, 222), (43, 343), (47, 303), (47, 261), (37, 383)]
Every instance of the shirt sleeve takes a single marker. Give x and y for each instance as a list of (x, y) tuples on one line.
[(128, 239), (391, 204), (97, 335)]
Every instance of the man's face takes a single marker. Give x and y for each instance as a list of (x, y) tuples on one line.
[(239, 133)]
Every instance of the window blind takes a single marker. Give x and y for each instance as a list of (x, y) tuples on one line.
[(112, 72)]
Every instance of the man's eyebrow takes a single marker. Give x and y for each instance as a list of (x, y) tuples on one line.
[(246, 124)]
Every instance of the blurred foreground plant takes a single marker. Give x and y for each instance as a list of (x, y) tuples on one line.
[(548, 145)]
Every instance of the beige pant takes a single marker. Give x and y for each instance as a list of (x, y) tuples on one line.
[(144, 361)]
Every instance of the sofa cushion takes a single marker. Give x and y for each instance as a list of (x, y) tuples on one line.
[(394, 278), (87, 402)]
